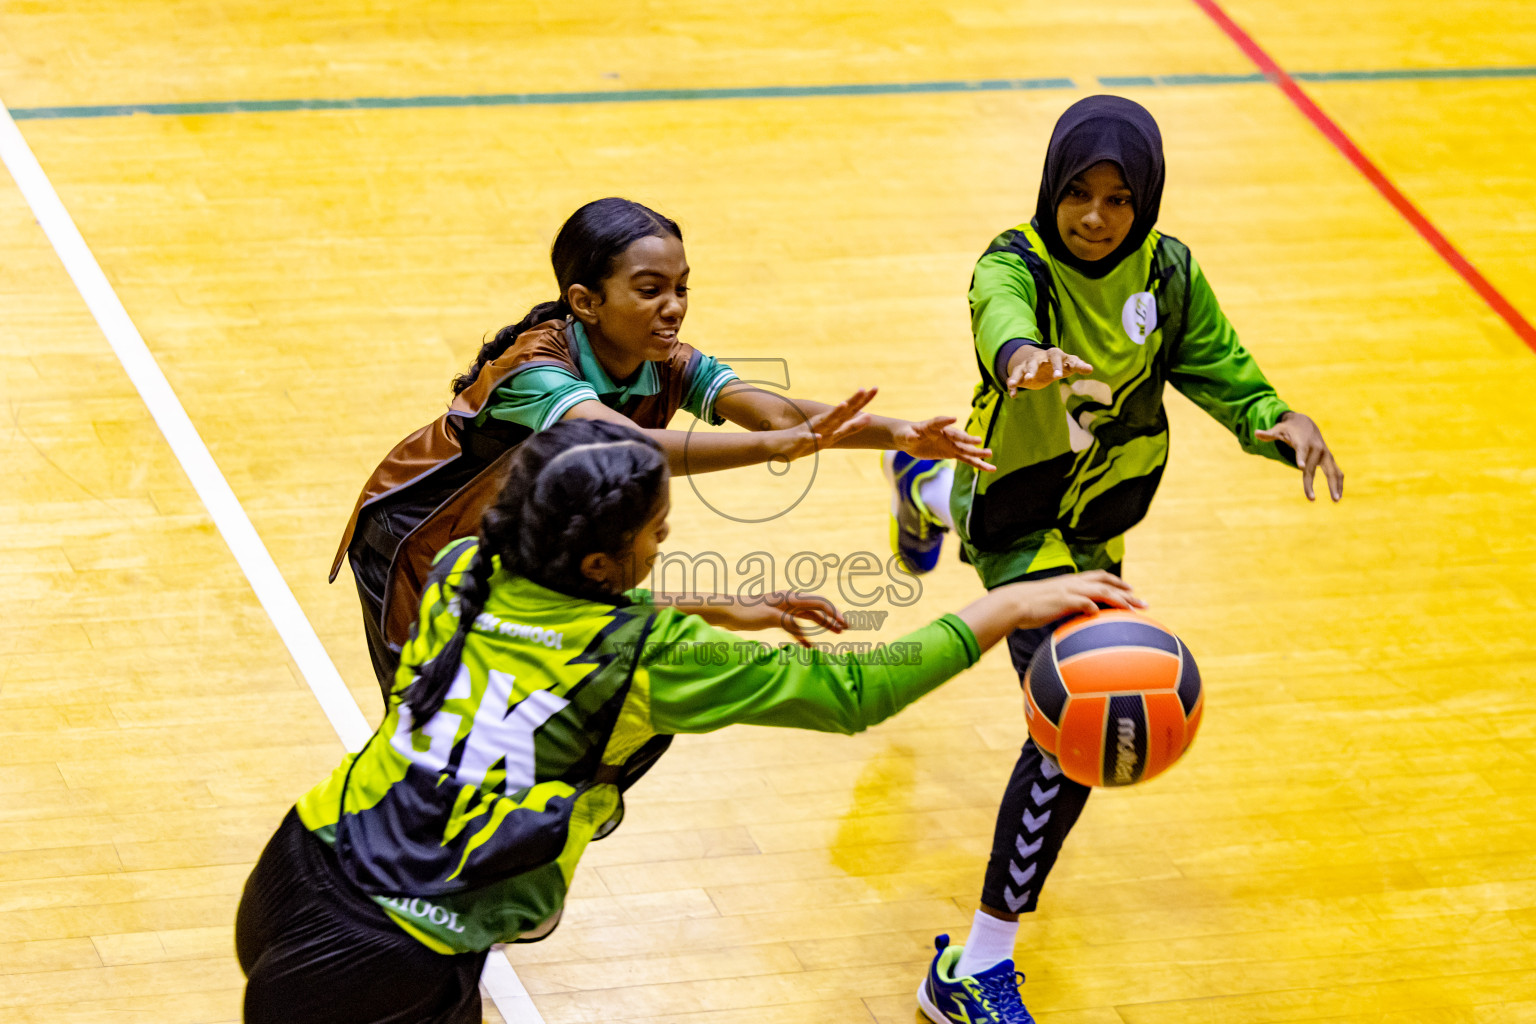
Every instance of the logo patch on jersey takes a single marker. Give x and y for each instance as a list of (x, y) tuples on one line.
[(1139, 317)]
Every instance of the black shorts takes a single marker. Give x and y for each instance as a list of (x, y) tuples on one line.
[(316, 951)]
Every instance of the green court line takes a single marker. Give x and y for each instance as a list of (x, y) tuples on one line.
[(1414, 74), (1148, 81), (514, 99), (1384, 75), (518, 99)]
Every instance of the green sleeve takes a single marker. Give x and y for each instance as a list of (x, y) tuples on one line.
[(537, 398), (1002, 309), (703, 678), (706, 377), (1212, 369)]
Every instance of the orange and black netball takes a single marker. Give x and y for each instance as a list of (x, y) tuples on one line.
[(1114, 698)]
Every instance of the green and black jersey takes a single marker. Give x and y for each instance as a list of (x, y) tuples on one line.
[(1078, 461), (466, 828)]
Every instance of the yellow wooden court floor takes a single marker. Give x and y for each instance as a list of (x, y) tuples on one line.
[(313, 214)]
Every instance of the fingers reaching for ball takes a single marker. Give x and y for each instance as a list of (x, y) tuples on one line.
[(1040, 602), (1075, 594), (1107, 588)]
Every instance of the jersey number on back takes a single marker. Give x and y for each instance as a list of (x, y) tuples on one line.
[(498, 732)]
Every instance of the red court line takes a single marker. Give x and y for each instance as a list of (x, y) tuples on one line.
[(1342, 142)]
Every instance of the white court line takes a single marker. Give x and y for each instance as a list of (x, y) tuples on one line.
[(298, 635)]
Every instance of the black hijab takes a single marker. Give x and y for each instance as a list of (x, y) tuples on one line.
[(1094, 129)]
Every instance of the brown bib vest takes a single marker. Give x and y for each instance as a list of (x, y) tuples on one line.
[(429, 468)]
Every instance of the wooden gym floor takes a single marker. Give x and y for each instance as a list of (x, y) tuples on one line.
[(1350, 839)]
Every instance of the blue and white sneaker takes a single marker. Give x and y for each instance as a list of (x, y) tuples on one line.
[(991, 996), (916, 534)]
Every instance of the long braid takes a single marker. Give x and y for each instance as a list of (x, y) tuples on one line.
[(430, 688)]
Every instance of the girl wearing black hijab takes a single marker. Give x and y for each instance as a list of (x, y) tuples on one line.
[(1080, 318)]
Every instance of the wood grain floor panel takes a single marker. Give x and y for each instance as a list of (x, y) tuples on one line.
[(1346, 841)]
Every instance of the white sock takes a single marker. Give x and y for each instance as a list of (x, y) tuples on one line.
[(934, 494), (991, 943)]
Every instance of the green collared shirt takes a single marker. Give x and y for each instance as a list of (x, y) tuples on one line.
[(539, 396)]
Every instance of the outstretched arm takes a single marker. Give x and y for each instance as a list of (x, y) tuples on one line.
[(937, 438), (1213, 369), (718, 681), (697, 452), (784, 609)]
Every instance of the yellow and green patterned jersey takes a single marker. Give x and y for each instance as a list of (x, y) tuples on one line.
[(466, 828), (1079, 461)]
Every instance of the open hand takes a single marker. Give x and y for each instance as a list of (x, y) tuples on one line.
[(1033, 368), (939, 438), (791, 607), (826, 429), (1312, 452), (788, 610)]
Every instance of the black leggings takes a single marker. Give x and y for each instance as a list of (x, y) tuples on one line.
[(1039, 807), (316, 951)]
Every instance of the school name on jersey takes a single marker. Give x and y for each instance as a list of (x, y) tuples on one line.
[(485, 622), (422, 910)]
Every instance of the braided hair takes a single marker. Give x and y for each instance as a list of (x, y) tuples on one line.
[(585, 252), (581, 487)]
